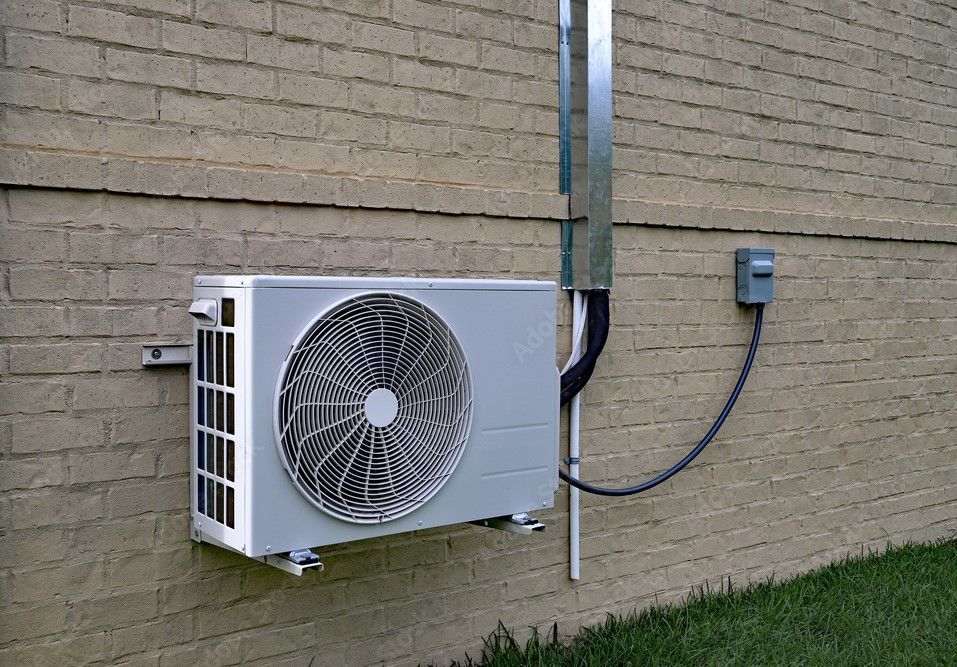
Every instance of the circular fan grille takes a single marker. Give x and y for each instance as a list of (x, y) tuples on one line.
[(374, 406)]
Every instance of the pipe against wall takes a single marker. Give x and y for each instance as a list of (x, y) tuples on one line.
[(574, 434)]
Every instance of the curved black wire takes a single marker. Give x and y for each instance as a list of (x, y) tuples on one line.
[(690, 456), (576, 377)]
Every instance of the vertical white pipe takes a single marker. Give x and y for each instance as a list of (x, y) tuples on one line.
[(574, 424)]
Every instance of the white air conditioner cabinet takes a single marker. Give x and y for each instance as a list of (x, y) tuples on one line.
[(326, 410)]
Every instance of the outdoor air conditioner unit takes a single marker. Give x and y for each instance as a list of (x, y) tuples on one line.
[(326, 410)]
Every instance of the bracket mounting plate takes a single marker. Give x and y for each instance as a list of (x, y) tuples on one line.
[(520, 524), (165, 354)]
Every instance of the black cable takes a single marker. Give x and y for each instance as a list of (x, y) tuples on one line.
[(576, 377), (690, 456)]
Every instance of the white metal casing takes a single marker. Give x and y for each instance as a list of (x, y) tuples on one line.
[(507, 331)]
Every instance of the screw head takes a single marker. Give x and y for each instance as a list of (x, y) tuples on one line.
[(420, 523), (268, 548), (156, 353)]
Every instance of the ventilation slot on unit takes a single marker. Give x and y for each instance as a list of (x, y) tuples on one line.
[(216, 419), (374, 408)]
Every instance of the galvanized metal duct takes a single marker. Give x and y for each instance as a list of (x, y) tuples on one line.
[(586, 142)]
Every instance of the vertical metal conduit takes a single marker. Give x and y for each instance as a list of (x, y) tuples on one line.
[(564, 96), (585, 115), (585, 161)]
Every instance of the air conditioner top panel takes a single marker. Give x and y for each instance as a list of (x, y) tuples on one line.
[(354, 282)]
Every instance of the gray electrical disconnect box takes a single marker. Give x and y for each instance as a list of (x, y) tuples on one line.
[(755, 275)]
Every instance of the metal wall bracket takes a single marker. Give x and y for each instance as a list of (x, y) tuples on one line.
[(521, 524), (295, 562), (163, 354), (568, 230)]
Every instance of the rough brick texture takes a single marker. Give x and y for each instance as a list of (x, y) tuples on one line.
[(398, 137), (837, 107), (845, 436)]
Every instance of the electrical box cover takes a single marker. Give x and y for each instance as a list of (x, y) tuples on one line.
[(755, 275)]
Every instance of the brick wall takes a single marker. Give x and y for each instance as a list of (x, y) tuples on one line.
[(837, 107), (146, 141)]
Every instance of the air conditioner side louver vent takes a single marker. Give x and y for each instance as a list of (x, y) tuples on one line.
[(373, 407)]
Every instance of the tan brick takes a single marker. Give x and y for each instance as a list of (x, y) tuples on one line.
[(440, 107), (234, 80), (204, 111), (37, 435), (311, 24), (28, 321), (310, 156), (33, 622), (111, 26), (372, 8), (279, 120), (286, 54), (426, 137), (259, 645), (41, 15), (151, 636), (149, 285), (28, 90), (448, 49), (147, 424), (219, 652), (110, 466), (31, 397), (495, 27), (32, 473), (185, 38), (116, 610), (33, 245), (103, 538), (174, 7), (147, 68), (355, 65), (51, 583), (423, 15), (508, 60), (350, 127), (165, 497), (55, 55), (254, 14), (376, 37), (249, 615), (42, 284), (64, 651), (313, 90)]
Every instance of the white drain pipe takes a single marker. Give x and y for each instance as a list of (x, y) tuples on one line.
[(574, 433)]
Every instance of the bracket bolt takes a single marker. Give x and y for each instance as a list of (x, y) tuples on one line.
[(156, 353)]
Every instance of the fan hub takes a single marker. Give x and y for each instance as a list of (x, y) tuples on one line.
[(381, 407)]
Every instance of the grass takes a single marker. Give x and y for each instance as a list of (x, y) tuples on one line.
[(894, 608)]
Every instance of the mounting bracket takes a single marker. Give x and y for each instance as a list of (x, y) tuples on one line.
[(165, 354), (295, 562), (521, 524)]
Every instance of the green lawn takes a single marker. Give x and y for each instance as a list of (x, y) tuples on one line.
[(894, 608)]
